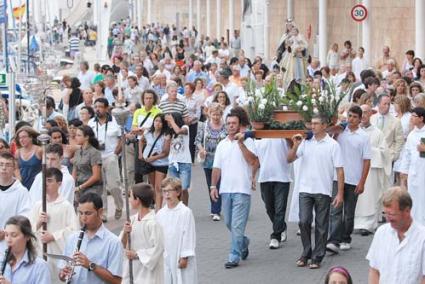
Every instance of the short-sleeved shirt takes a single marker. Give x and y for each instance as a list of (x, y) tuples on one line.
[(108, 133), (28, 273), (159, 147), (179, 149), (84, 160), (274, 166), (140, 114), (236, 173), (355, 148), (168, 107), (398, 262), (324, 154), (104, 249)]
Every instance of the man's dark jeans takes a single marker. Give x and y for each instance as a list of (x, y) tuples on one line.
[(321, 205), (275, 197), (342, 218)]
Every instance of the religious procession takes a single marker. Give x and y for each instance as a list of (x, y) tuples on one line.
[(135, 148)]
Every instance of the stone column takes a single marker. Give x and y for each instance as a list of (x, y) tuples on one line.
[(208, 9), (190, 25), (198, 16), (231, 18), (366, 32), (419, 29), (218, 27), (266, 29), (149, 15), (140, 14), (290, 9), (323, 37)]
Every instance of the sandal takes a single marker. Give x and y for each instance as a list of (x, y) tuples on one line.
[(302, 262), (314, 265)]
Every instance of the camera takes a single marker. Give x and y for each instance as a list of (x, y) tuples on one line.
[(102, 146)]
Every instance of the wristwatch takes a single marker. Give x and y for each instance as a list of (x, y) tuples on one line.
[(92, 266)]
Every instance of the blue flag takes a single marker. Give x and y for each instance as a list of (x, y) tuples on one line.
[(34, 47)]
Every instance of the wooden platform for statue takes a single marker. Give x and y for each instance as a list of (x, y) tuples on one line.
[(281, 116)]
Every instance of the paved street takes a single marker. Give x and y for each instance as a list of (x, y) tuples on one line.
[(263, 265)]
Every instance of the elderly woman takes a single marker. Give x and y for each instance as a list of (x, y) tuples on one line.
[(209, 135), (193, 106)]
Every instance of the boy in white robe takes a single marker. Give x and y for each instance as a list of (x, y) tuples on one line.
[(54, 156), (147, 239), (178, 224), (14, 197), (60, 218)]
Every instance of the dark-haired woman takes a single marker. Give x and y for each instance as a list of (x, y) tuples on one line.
[(23, 266), (180, 161), (87, 163), (59, 137), (28, 155), (156, 153), (72, 98)]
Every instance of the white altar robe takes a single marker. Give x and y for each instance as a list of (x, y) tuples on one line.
[(369, 202), (147, 240), (178, 224), (414, 166)]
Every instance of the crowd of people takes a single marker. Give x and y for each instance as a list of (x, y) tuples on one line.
[(186, 98)]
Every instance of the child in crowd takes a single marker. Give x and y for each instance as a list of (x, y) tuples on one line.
[(147, 239), (178, 224), (60, 218), (179, 158)]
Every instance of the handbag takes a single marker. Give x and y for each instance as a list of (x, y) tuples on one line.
[(145, 167), (200, 159)]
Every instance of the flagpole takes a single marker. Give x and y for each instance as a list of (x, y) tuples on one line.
[(28, 35)]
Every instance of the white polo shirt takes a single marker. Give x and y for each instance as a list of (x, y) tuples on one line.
[(274, 166), (236, 174), (398, 262), (318, 163), (355, 148), (110, 138)]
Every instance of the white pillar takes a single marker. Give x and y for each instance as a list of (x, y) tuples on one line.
[(290, 9), (95, 5), (140, 14), (266, 29), (149, 16), (198, 16), (366, 32), (231, 18), (419, 29), (208, 8), (323, 37), (190, 25), (218, 29)]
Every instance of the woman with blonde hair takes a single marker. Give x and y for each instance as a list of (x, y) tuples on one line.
[(29, 155), (402, 107), (401, 88)]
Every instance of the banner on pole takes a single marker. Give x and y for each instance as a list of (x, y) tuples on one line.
[(3, 13), (18, 12)]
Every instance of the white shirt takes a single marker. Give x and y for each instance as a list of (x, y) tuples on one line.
[(325, 155), (233, 91), (110, 139), (398, 262), (358, 65), (143, 83), (179, 149), (274, 166), (85, 79), (66, 190), (355, 148), (236, 173), (13, 201)]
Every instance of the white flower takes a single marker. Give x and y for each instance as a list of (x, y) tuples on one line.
[(313, 101), (321, 99), (305, 108), (332, 97), (250, 99), (263, 101), (337, 97), (258, 94), (285, 108), (299, 103), (315, 110), (261, 106)]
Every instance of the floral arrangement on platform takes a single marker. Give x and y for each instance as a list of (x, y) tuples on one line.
[(261, 102), (308, 101)]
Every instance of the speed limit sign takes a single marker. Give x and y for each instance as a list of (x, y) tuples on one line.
[(359, 13)]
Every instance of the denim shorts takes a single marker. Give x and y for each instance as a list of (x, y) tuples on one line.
[(184, 173)]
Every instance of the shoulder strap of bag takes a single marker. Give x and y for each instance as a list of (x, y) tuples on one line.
[(144, 120), (153, 145)]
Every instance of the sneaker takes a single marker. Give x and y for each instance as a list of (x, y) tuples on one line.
[(216, 217), (333, 248), (231, 264), (118, 214), (283, 236), (274, 244), (345, 246), (299, 232), (245, 252)]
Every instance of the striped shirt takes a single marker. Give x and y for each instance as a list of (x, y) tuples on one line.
[(74, 44), (177, 106)]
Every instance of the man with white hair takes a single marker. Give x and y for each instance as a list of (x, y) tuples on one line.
[(383, 61), (197, 72)]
